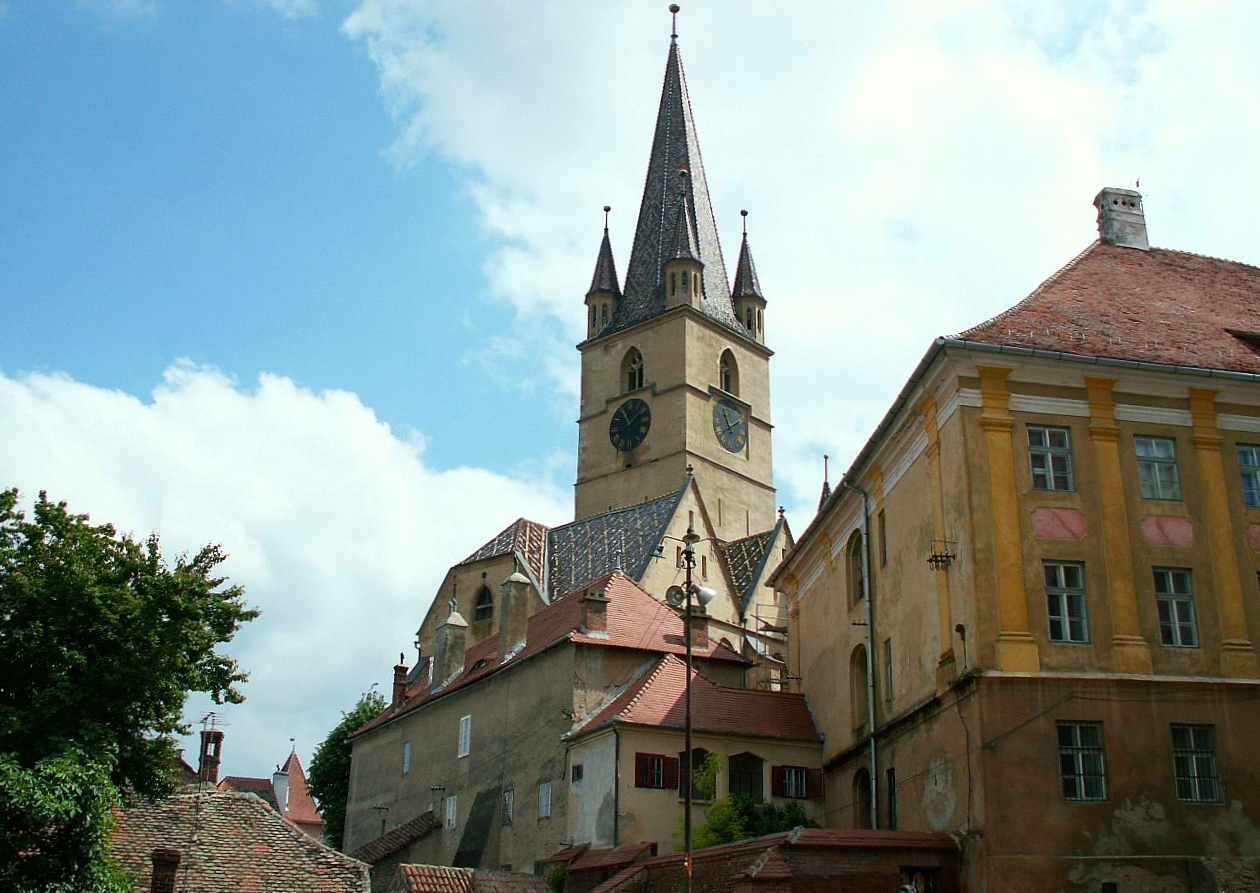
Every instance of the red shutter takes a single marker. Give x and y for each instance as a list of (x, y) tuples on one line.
[(641, 770), (776, 781), (813, 783), (684, 773), (671, 772)]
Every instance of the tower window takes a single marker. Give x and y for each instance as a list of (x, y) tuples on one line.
[(684, 280), (485, 605), (728, 373), (748, 319), (603, 314), (632, 369)]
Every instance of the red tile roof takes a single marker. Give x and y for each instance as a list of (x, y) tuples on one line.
[(444, 879), (635, 620), (1155, 306), (230, 841), (396, 838), (615, 857), (301, 807), (657, 699)]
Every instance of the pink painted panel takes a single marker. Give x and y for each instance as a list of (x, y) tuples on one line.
[(1059, 524), (1253, 537), (1160, 530)]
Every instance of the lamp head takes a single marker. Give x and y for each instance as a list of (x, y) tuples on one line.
[(703, 594), (691, 537)]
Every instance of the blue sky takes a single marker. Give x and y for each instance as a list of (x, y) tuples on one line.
[(304, 277)]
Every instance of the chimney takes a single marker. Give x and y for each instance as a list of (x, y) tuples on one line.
[(448, 653), (595, 611), (208, 764), (698, 620), (165, 867), (400, 681), (513, 613), (1121, 220), (280, 785)]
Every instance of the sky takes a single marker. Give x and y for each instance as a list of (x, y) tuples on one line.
[(304, 277)]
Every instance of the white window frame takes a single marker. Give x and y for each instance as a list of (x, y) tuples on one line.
[(1158, 476), (509, 806), (1249, 468), (452, 811), (544, 799), (465, 736), (1082, 762), (406, 757), (794, 782), (1066, 612), (1174, 600), (1050, 457)]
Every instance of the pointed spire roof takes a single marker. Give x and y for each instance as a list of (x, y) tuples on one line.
[(746, 282), (675, 147), (605, 278), (684, 241)]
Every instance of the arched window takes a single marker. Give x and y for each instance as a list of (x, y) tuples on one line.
[(862, 799), (748, 319), (603, 315), (485, 605), (859, 687), (760, 322), (856, 579), (744, 776), (632, 370), (728, 373)]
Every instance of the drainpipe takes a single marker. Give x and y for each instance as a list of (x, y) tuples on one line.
[(616, 781), (870, 645)]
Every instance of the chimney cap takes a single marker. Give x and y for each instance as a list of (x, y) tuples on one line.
[(1121, 220)]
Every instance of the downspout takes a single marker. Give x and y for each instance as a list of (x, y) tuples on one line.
[(616, 781), (870, 645)]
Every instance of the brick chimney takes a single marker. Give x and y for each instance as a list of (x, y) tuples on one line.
[(211, 748), (513, 613), (448, 652), (698, 620), (400, 681), (165, 867), (594, 611), (1121, 220)]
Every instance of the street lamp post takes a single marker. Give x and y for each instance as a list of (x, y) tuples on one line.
[(689, 562)]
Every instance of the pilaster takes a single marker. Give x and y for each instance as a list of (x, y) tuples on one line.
[(946, 668)]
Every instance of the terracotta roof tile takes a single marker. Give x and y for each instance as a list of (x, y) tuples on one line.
[(301, 807), (614, 857), (657, 698), (444, 879), (526, 538), (396, 838), (231, 841), (1155, 306)]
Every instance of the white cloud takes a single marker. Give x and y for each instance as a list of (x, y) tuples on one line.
[(333, 523)]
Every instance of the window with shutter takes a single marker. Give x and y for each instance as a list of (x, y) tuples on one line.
[(654, 770)]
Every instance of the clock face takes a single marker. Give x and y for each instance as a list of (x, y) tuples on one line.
[(629, 425), (730, 425)]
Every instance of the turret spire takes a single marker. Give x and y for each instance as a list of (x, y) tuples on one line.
[(746, 282), (605, 278)]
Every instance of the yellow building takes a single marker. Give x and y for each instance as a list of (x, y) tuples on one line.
[(1027, 614)]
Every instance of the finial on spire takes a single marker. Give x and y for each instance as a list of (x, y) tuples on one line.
[(744, 214), (673, 11), (607, 208), (826, 487)]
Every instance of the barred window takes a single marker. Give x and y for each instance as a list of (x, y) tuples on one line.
[(1050, 453), (1065, 601), (1157, 467), (1082, 770), (1194, 764), (1174, 597)]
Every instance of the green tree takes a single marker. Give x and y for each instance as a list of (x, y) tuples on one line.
[(100, 643), (329, 777), (736, 817)]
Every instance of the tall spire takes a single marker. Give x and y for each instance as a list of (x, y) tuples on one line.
[(675, 147), (746, 282), (605, 278)]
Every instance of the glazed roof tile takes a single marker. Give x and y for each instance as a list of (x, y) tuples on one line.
[(675, 147), (523, 537), (396, 838), (444, 879), (634, 619), (241, 845), (746, 561), (1156, 306), (746, 281), (657, 698), (605, 276)]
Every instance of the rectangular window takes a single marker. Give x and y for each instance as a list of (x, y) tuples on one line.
[(891, 775), (544, 799), (576, 772), (1194, 764), (1157, 467), (509, 806), (465, 735), (883, 540), (1065, 601), (1249, 465), (654, 770), (1050, 453), (1174, 596), (888, 670), (406, 757), (452, 810), (1082, 772), (796, 782)]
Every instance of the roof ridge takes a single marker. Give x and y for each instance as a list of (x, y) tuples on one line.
[(1211, 257)]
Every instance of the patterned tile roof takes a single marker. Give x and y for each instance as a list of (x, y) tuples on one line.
[(675, 148), (231, 841), (635, 620), (524, 537), (746, 281), (1155, 306), (746, 561), (605, 276), (396, 838), (657, 698), (443, 879), (621, 539)]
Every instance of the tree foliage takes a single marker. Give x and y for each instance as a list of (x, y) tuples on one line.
[(733, 818), (100, 643), (329, 777)]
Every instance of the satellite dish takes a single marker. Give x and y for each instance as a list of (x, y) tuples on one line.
[(675, 596)]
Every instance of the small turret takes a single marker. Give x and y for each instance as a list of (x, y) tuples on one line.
[(750, 303), (605, 293), (683, 270)]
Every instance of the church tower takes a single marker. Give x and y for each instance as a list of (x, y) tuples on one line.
[(675, 371)]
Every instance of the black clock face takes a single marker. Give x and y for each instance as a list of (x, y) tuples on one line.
[(630, 424), (730, 425)]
